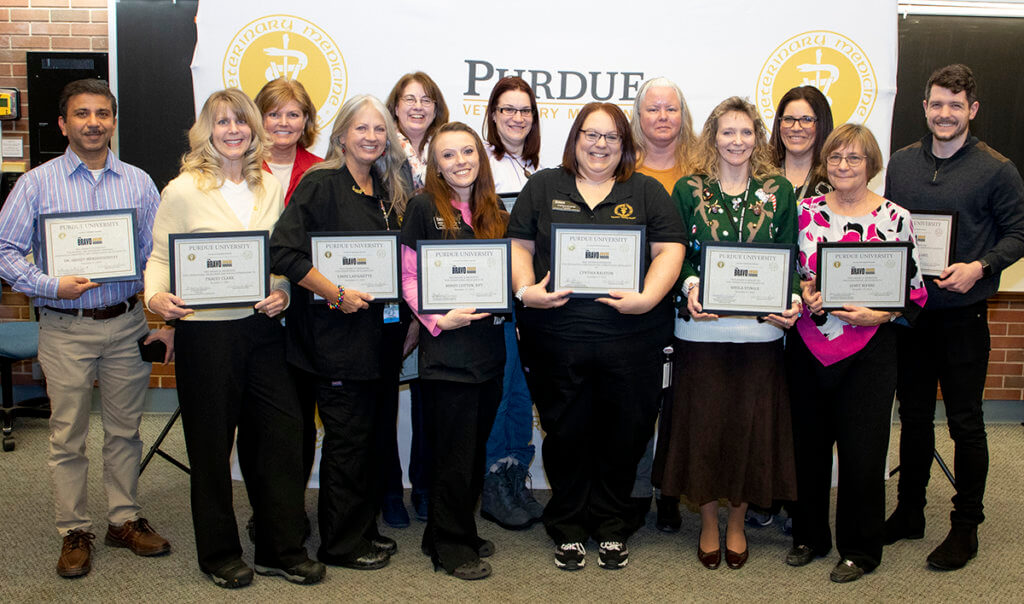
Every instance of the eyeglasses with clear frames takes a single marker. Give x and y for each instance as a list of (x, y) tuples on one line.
[(805, 120), (410, 100), (592, 136), (510, 111), (852, 160)]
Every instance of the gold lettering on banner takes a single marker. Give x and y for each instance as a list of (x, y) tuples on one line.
[(827, 60), (285, 46)]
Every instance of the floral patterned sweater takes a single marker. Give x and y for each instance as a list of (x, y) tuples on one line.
[(828, 338)]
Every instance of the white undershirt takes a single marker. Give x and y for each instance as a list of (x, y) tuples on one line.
[(283, 172), (96, 173), (240, 199)]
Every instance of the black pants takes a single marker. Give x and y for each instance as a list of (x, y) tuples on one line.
[(420, 448), (848, 404), (459, 419), (352, 413), (233, 374), (948, 348), (597, 401)]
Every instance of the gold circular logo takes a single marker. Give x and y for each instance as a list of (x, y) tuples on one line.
[(829, 61), (62, 236), (327, 254), (721, 264), (623, 210), (191, 257), (837, 264), (285, 46)]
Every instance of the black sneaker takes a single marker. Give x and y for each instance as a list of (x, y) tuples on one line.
[(612, 555), (306, 572), (570, 556)]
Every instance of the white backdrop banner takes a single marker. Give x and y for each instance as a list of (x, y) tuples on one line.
[(571, 53)]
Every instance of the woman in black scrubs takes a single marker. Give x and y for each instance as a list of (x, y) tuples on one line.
[(353, 345), (461, 354), (594, 367)]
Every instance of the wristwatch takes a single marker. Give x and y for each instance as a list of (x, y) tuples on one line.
[(521, 291), (986, 268)]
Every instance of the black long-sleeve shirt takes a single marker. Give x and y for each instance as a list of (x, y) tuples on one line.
[(986, 191)]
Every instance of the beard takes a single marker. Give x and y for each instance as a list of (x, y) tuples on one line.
[(961, 128)]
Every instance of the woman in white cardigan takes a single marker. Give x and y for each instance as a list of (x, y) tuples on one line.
[(230, 364)]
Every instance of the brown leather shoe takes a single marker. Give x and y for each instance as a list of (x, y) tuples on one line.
[(137, 536), (75, 554)]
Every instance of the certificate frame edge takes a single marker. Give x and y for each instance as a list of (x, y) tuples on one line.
[(134, 214), (855, 244), (398, 258), (641, 273), (792, 248), (505, 242), (954, 225), (264, 235)]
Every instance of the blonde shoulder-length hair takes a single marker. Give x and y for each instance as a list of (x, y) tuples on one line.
[(204, 162), (388, 166), (686, 141), (706, 156)]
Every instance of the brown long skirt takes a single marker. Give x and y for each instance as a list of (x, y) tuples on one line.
[(729, 432)]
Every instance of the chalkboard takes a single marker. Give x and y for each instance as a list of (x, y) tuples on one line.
[(991, 47)]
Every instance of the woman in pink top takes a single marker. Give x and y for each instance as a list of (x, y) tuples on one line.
[(843, 366)]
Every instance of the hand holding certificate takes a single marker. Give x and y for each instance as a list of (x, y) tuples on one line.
[(365, 262), (746, 279), (869, 275), (220, 269), (936, 240), (100, 245), (464, 273), (594, 260)]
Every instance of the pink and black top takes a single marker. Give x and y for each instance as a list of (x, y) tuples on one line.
[(831, 339)]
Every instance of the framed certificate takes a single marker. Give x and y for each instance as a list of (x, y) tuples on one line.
[(365, 261), (220, 269), (873, 275), (746, 278), (936, 240), (595, 260), (464, 273), (101, 245)]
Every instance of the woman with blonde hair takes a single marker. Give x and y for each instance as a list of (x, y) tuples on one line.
[(352, 347), (663, 131), (230, 365), (730, 435), (289, 117)]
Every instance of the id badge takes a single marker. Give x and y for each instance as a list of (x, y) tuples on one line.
[(391, 312)]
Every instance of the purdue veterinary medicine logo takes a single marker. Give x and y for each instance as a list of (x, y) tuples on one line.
[(829, 61), (284, 46)]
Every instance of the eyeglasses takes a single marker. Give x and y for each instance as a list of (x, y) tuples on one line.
[(805, 120), (510, 111), (410, 100), (592, 136), (853, 161)]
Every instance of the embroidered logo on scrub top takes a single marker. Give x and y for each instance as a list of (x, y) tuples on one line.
[(623, 211), (561, 205)]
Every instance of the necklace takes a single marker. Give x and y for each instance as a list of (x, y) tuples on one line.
[(526, 173), (738, 203)]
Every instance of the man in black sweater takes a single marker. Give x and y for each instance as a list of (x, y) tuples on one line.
[(950, 171)]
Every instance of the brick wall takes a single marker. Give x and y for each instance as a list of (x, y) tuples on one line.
[(16, 307), (1005, 379), (42, 25)]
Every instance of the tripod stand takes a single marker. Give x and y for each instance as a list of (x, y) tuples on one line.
[(155, 449)]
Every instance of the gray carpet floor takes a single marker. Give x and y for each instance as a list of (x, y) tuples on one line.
[(662, 567)]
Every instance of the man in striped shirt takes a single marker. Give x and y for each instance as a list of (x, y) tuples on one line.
[(87, 330)]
